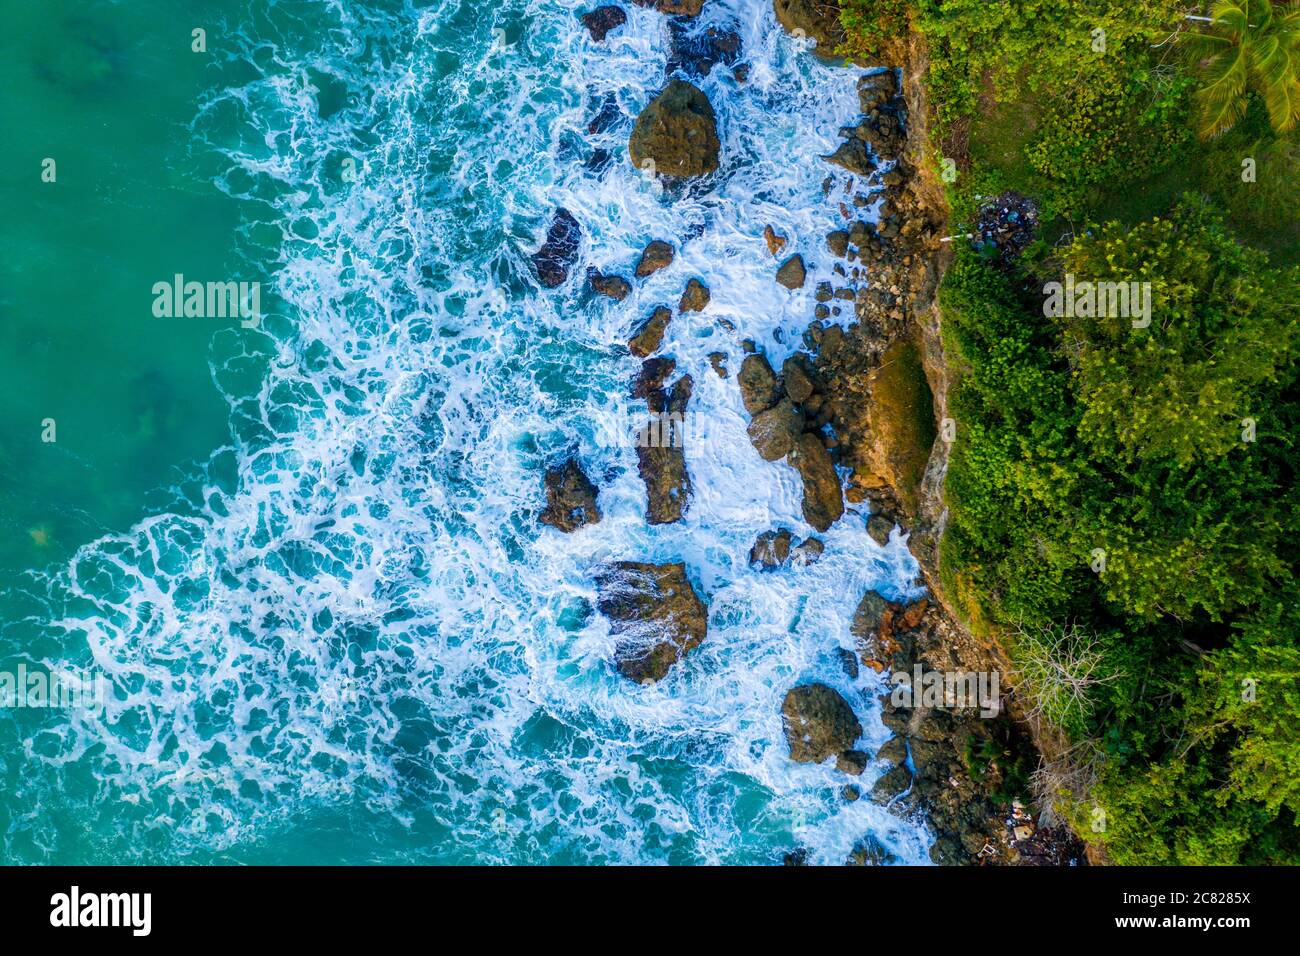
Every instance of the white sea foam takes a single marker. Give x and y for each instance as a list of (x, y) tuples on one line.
[(373, 614)]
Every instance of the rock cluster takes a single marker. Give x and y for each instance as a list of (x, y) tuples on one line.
[(695, 52), (965, 760), (787, 415)]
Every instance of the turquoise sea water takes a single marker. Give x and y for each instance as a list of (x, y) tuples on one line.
[(342, 635)]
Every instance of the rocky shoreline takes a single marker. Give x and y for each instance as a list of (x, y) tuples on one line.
[(867, 394)]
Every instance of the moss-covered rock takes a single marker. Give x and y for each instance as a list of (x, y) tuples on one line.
[(676, 135)]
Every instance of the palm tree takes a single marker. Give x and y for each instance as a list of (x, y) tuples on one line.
[(1249, 45)]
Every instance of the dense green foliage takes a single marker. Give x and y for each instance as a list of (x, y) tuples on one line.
[(1082, 437), (1123, 505)]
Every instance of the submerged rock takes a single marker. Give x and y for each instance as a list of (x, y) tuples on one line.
[(552, 261), (570, 498), (807, 553), (676, 135), (654, 612), (823, 500), (819, 723), (656, 255), (775, 242), (695, 52), (772, 550), (602, 20)]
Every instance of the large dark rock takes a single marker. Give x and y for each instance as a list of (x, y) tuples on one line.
[(797, 378), (677, 133), (823, 500), (819, 723), (816, 19), (654, 612), (852, 155), (603, 19), (552, 261), (775, 431), (570, 498)]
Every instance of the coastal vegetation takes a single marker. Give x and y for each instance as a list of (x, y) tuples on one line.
[(1123, 507)]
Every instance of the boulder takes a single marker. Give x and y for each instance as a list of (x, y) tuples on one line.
[(650, 333), (796, 377), (719, 362), (570, 498), (819, 723), (655, 614), (759, 389), (695, 298), (616, 287), (656, 255), (775, 431), (771, 550), (552, 261), (677, 132), (823, 501), (602, 20), (879, 527), (650, 379), (792, 273), (853, 762)]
